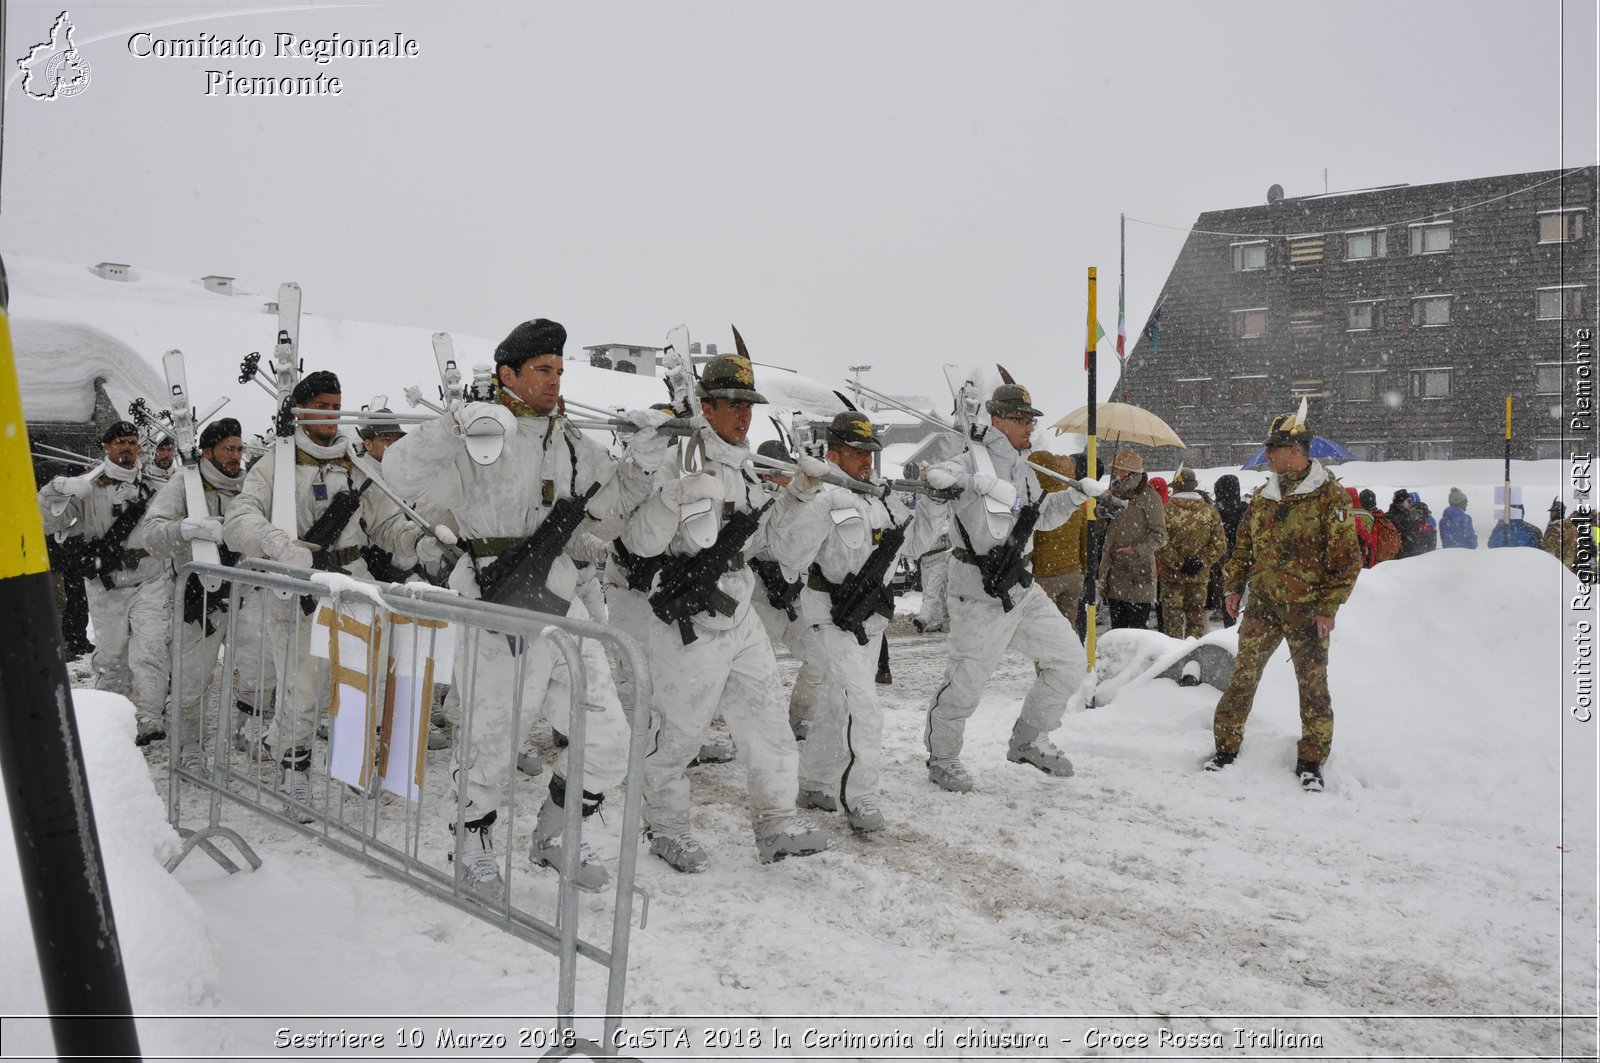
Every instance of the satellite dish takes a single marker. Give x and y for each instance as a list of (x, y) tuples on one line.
[(1275, 194)]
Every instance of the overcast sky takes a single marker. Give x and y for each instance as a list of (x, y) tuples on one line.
[(900, 184)]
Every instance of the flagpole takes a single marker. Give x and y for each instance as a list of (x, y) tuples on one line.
[(1122, 289), (1089, 359)]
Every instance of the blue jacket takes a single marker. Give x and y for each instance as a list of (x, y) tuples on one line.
[(1521, 533), (1455, 529)]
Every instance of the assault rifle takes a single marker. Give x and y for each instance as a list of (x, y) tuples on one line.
[(324, 534), (781, 594), (199, 603), (1003, 567), (519, 577), (107, 554), (640, 571), (863, 594), (688, 585)]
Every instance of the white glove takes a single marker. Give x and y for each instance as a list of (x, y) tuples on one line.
[(646, 446), (278, 546), (940, 479), (809, 474), (1092, 488), (1002, 491), (74, 486), (692, 488), (207, 528), (430, 553)]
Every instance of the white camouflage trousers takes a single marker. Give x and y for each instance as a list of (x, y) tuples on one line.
[(793, 635), (734, 671), (132, 642), (935, 577), (488, 675), (980, 633), (629, 612), (843, 750)]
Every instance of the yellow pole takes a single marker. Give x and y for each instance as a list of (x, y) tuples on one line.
[(1089, 364), (41, 763), (1506, 490)]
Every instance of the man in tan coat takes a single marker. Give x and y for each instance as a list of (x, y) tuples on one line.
[(1059, 554), (1133, 536)]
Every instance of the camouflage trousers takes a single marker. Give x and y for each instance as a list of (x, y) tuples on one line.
[(1183, 609), (1262, 627)]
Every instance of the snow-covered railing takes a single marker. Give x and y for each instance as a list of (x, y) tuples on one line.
[(390, 647)]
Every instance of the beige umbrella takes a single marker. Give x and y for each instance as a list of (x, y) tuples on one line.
[(1120, 423)]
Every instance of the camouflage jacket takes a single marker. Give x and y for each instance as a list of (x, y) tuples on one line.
[(1194, 529), (1298, 548), (1561, 540)]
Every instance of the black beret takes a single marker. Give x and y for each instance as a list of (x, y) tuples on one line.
[(322, 382), (218, 430), (529, 340), (118, 429)]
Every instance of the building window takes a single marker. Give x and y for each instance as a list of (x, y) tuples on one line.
[(1366, 243), (1250, 256), (1364, 316), (1248, 390), (1309, 389), (1432, 238), (1560, 226), (1369, 451), (1360, 387), (1431, 310), (1430, 450), (1191, 391), (1557, 304), (1548, 378), (1430, 383), (1250, 324), (1550, 448), (1306, 251)]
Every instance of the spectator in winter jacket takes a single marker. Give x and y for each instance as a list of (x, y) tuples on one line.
[(1561, 536), (1386, 537), (1230, 507), (1411, 518), (1455, 527), (1059, 554), (1515, 532), (1128, 562), (1195, 543), (1160, 485)]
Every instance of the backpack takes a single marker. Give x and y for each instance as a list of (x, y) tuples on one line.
[(1387, 537), (1367, 534)]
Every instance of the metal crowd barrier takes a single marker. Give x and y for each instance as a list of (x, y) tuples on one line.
[(378, 820)]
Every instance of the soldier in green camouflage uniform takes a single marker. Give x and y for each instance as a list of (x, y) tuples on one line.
[(1298, 554), (1195, 542)]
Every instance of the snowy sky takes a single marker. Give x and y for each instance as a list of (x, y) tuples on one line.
[(891, 184)]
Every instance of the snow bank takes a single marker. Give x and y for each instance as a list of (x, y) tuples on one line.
[(58, 362), (168, 953)]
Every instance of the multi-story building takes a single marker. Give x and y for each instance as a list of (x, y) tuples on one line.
[(1406, 314)]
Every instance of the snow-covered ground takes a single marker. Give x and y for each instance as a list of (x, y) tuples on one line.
[(1438, 900)]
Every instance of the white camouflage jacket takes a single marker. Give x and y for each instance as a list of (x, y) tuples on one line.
[(544, 460), (988, 530), (317, 480), (66, 517), (654, 529)]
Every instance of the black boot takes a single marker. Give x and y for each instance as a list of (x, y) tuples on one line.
[(1218, 761), (1310, 774)]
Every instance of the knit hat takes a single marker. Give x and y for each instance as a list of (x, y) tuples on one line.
[(118, 429), (1369, 500), (218, 430), (1401, 497), (852, 429), (1458, 497), (322, 382), (1012, 400), (529, 340)]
